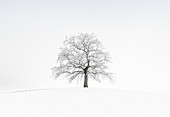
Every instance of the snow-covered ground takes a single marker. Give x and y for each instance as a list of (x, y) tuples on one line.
[(78, 102)]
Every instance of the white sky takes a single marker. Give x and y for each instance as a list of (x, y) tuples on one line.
[(136, 32)]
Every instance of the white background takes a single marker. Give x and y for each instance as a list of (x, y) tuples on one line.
[(136, 32)]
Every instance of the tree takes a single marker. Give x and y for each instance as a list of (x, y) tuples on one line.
[(82, 57)]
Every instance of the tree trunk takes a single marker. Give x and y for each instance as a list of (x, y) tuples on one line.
[(85, 81)]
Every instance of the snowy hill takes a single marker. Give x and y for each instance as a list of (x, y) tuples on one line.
[(77, 102)]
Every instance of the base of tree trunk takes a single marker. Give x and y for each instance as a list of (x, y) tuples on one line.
[(85, 86)]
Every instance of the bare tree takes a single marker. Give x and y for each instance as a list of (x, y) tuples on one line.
[(82, 57)]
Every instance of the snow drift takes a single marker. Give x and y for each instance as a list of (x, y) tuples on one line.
[(76, 102)]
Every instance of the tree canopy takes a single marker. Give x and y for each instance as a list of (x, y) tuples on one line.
[(82, 57)]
